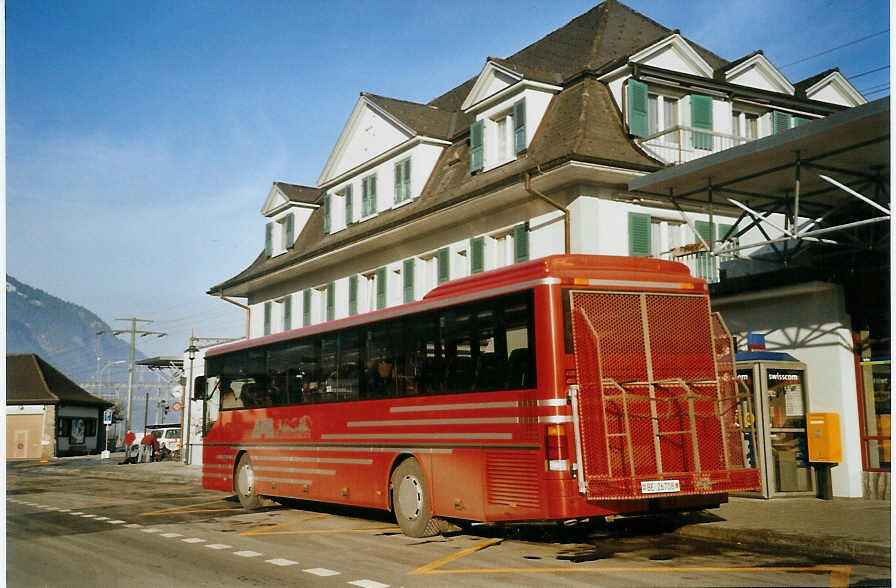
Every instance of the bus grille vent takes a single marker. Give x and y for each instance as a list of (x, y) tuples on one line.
[(512, 478)]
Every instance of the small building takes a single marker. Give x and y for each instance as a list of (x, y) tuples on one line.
[(48, 415)]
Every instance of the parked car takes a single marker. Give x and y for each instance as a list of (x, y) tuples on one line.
[(169, 437)]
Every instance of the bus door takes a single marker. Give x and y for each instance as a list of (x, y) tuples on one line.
[(654, 418)]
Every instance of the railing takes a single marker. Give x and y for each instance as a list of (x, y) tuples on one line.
[(681, 144), (702, 263)]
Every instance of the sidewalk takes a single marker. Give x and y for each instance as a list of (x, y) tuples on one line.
[(842, 528), (850, 529)]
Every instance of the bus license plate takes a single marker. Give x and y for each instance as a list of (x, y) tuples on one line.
[(657, 486)]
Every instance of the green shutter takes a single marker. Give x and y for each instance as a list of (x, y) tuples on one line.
[(476, 147), (477, 255), (326, 214), (799, 121), (290, 231), (371, 195), (519, 126), (407, 273), (352, 295), (780, 121), (306, 308), (331, 301), (723, 231), (637, 108), (701, 118), (381, 288), (638, 234), (349, 205), (267, 318), (287, 313), (407, 178), (402, 180), (521, 243), (704, 229), (268, 239), (443, 260)]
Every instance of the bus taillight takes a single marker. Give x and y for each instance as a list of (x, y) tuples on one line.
[(555, 448)]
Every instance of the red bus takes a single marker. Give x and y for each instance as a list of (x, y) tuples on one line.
[(562, 388)]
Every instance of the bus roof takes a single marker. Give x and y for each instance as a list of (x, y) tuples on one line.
[(610, 271)]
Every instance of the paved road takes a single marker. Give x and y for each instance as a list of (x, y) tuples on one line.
[(86, 530)]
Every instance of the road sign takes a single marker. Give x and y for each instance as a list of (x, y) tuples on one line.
[(107, 416), (176, 407)]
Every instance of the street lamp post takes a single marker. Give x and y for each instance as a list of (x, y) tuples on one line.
[(191, 354)]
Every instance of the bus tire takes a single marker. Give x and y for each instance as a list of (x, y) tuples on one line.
[(244, 485), (410, 500)]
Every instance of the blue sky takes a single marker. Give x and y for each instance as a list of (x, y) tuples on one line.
[(143, 137)]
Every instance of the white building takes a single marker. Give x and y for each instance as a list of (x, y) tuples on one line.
[(531, 157)]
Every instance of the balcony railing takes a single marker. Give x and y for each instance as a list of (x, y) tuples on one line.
[(681, 144), (702, 263)]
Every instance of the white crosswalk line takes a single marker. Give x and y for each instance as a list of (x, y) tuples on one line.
[(246, 553), (368, 584), (281, 562), (321, 572), (193, 540), (218, 546)]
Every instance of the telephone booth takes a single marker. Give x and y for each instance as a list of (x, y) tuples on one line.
[(775, 432)]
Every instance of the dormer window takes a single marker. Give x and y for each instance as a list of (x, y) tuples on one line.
[(403, 180), (368, 195), (279, 235), (498, 137)]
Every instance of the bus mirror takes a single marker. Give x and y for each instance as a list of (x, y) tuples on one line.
[(199, 388)]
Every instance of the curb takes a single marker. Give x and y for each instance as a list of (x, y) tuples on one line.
[(863, 552)]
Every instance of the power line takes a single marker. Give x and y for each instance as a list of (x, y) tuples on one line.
[(870, 71), (875, 88), (836, 48)]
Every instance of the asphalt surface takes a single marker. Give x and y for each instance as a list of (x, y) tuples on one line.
[(93, 524)]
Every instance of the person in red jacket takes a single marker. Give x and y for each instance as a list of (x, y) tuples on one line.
[(149, 445), (129, 439)]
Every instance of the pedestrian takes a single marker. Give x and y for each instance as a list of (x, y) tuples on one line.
[(129, 439), (148, 445)]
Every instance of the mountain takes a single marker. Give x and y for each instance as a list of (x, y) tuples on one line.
[(63, 334)]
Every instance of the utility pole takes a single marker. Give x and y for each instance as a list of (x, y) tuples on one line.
[(134, 332)]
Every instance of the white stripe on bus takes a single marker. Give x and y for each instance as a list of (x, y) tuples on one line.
[(467, 406), (281, 480), (417, 436), (555, 419), (471, 421), (259, 457), (312, 471)]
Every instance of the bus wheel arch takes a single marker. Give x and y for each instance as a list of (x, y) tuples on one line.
[(244, 484), (409, 497)]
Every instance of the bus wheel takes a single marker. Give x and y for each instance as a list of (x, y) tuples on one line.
[(410, 500), (244, 485)]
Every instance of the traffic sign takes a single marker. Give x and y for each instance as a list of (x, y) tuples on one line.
[(176, 407), (107, 416)]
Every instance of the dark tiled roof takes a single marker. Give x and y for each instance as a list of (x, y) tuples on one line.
[(31, 380), (423, 119), (581, 123), (297, 193)]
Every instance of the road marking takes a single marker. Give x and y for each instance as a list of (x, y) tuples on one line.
[(116, 522), (218, 546), (101, 519), (368, 584), (246, 553), (428, 568), (193, 540), (171, 535), (87, 516), (281, 562), (321, 572), (76, 513), (151, 530), (133, 525), (839, 575), (266, 529), (188, 508), (65, 510)]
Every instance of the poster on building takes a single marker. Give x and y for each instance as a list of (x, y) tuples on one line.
[(77, 434)]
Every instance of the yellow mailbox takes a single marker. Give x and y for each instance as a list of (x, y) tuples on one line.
[(823, 432)]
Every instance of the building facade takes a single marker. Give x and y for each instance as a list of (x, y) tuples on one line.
[(530, 157), (48, 415)]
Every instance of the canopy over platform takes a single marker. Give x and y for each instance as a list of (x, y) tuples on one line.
[(827, 176)]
